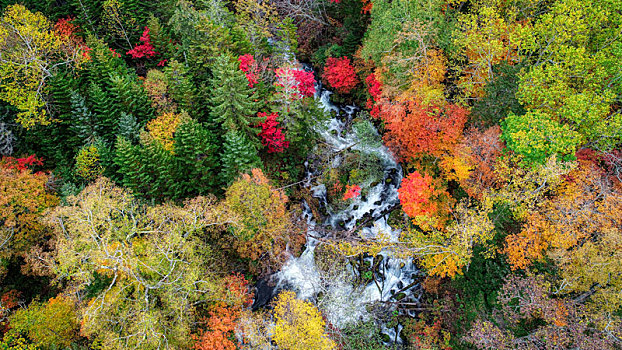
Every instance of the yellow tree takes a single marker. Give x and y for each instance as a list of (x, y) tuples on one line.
[(299, 325), (486, 38), (580, 230), (152, 266), (31, 51)]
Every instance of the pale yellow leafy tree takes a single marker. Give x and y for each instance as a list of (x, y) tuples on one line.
[(151, 264), (299, 325)]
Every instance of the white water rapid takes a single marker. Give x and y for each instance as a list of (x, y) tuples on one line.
[(391, 279)]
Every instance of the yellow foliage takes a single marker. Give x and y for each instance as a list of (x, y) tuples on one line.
[(27, 43), (31, 49), (259, 18), (299, 325), (163, 128), (88, 164), (51, 324), (486, 39)]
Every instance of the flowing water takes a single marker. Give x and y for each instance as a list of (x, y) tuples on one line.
[(391, 279)]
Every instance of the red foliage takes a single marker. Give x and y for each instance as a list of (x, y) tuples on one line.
[(271, 136), (86, 52), (296, 83), (65, 28), (335, 1), (352, 191), (306, 82), (237, 285), (340, 74), (145, 49), (22, 163), (375, 91), (247, 65), (8, 301), (374, 86), (414, 130)]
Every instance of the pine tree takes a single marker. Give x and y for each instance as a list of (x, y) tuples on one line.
[(239, 155), (232, 101)]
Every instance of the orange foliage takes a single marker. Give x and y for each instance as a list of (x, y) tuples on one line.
[(223, 320), (422, 200), (586, 207), (220, 325), (415, 130), (23, 197), (524, 247)]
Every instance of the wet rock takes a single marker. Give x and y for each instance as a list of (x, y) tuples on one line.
[(264, 292)]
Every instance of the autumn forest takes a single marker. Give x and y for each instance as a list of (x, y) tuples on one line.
[(311, 174)]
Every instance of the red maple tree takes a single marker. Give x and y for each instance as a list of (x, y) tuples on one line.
[(272, 136), (247, 65), (340, 74), (145, 49), (352, 191)]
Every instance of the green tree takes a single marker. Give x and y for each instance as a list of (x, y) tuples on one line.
[(175, 159), (537, 136), (232, 101), (574, 77), (239, 155)]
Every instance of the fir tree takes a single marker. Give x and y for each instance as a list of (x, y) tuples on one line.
[(239, 155), (197, 157), (83, 123), (131, 97), (233, 105), (128, 159), (181, 87), (128, 127), (107, 111)]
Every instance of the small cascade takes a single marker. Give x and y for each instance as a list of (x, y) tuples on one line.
[(391, 279)]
